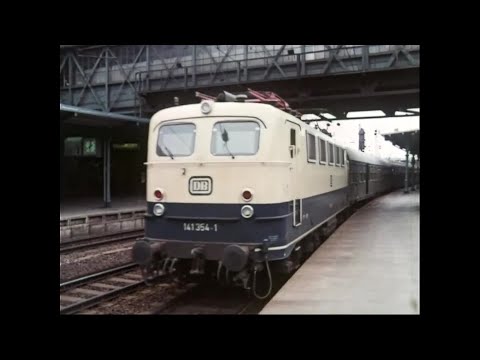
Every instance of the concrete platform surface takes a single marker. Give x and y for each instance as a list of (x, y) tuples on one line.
[(370, 265), (95, 206)]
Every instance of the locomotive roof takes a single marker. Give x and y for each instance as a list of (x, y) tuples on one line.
[(224, 108), (218, 109), (256, 109)]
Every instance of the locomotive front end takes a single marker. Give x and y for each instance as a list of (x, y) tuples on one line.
[(211, 205)]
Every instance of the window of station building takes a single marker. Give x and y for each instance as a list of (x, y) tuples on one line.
[(311, 149), (82, 147), (235, 138), (126, 147), (331, 156), (337, 156), (322, 151), (73, 146), (176, 140)]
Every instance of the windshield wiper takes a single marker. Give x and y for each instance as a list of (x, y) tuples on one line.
[(169, 152), (225, 140)]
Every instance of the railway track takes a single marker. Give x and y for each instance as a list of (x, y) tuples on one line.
[(91, 242), (87, 291), (209, 298), (194, 298)]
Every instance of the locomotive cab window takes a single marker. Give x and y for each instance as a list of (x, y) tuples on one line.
[(331, 159), (311, 149), (293, 142), (322, 151), (176, 140), (231, 138)]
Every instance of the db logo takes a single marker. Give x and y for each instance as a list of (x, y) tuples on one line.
[(200, 185)]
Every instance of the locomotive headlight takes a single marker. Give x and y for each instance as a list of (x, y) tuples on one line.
[(205, 107), (158, 209), (247, 211)]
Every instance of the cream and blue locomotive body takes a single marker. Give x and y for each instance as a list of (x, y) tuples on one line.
[(236, 185)]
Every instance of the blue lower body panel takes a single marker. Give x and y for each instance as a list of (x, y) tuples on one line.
[(214, 226)]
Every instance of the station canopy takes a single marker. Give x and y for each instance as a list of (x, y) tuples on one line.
[(84, 116), (407, 140)]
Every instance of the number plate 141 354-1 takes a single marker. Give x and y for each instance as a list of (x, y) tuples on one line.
[(199, 227)]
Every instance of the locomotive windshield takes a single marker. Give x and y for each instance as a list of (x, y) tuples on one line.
[(242, 139), (176, 140)]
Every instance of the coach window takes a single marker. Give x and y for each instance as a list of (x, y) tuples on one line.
[(322, 151), (235, 138), (337, 156), (176, 140), (331, 160), (311, 150), (342, 156)]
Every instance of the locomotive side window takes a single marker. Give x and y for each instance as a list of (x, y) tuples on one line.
[(311, 149), (322, 151), (337, 155), (293, 141), (235, 138), (176, 140), (331, 160)]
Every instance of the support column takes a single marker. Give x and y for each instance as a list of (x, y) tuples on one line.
[(143, 157), (418, 172), (62, 157), (107, 85), (70, 79), (245, 69), (414, 174), (194, 67), (106, 172), (148, 68), (365, 61), (302, 57), (406, 191)]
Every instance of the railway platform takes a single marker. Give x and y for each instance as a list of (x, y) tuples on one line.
[(87, 217), (370, 265)]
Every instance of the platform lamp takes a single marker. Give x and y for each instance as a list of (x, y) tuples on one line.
[(361, 139)]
